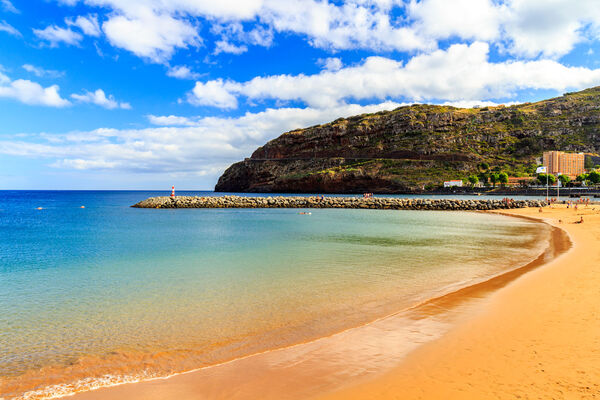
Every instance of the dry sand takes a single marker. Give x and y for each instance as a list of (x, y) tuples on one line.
[(537, 337)]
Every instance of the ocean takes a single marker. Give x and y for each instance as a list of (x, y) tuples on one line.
[(94, 292)]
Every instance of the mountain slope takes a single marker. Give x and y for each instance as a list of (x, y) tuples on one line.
[(418, 146)]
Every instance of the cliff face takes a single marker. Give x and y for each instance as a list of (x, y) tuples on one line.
[(417, 146)]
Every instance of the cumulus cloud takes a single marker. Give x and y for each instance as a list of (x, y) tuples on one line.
[(155, 29), (462, 72), (170, 120), (223, 46), (32, 93), (182, 72), (150, 35), (5, 27), (215, 93), (55, 35), (99, 98), (88, 24), (234, 38), (466, 19), (549, 29), (330, 63)]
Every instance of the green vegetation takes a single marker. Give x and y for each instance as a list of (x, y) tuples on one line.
[(594, 177), (494, 178), (564, 179), (473, 179), (542, 179), (589, 162), (503, 178)]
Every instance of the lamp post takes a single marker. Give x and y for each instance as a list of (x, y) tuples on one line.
[(543, 169), (558, 187)]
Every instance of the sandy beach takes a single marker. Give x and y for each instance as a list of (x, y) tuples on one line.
[(535, 334)]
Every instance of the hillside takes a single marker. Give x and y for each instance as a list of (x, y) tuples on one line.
[(418, 146)]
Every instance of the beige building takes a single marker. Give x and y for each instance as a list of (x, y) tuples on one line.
[(571, 164)]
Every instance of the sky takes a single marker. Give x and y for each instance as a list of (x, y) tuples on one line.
[(145, 94)]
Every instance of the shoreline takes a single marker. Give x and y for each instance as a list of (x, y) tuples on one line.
[(198, 381), (537, 337)]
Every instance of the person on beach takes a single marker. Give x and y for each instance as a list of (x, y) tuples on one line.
[(580, 221)]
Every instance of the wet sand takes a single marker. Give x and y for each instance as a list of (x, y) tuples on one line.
[(485, 341), (538, 338)]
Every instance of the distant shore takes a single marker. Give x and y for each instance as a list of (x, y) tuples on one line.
[(292, 371)]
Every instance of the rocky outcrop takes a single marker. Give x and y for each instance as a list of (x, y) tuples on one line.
[(416, 147), (380, 203)]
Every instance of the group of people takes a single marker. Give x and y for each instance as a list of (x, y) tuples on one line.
[(571, 204), (368, 195)]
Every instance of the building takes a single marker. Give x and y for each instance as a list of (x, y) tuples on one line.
[(458, 183), (514, 181), (571, 164)]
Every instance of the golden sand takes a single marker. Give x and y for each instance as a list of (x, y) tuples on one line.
[(536, 335)]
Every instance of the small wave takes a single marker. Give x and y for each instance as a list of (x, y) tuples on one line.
[(82, 385)]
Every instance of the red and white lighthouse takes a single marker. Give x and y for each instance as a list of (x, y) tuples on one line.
[(172, 191)]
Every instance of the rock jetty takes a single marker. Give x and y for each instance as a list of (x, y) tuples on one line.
[(378, 203)]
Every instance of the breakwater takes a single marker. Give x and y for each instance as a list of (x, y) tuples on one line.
[(380, 203)]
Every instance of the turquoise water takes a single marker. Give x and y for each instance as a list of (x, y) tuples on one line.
[(108, 293)]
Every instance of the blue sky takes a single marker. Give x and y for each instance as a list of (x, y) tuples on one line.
[(143, 94)]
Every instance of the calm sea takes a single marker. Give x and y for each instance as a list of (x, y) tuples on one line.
[(107, 293)]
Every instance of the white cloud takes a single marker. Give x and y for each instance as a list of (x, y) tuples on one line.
[(5, 27), (55, 35), (99, 98), (41, 72), (222, 46), (234, 38), (8, 6), (466, 19), (150, 35), (460, 73), (331, 63), (215, 93), (549, 28), (155, 29), (477, 103), (182, 72), (88, 25), (32, 93), (354, 24), (171, 120)]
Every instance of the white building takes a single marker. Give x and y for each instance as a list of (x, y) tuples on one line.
[(458, 183)]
